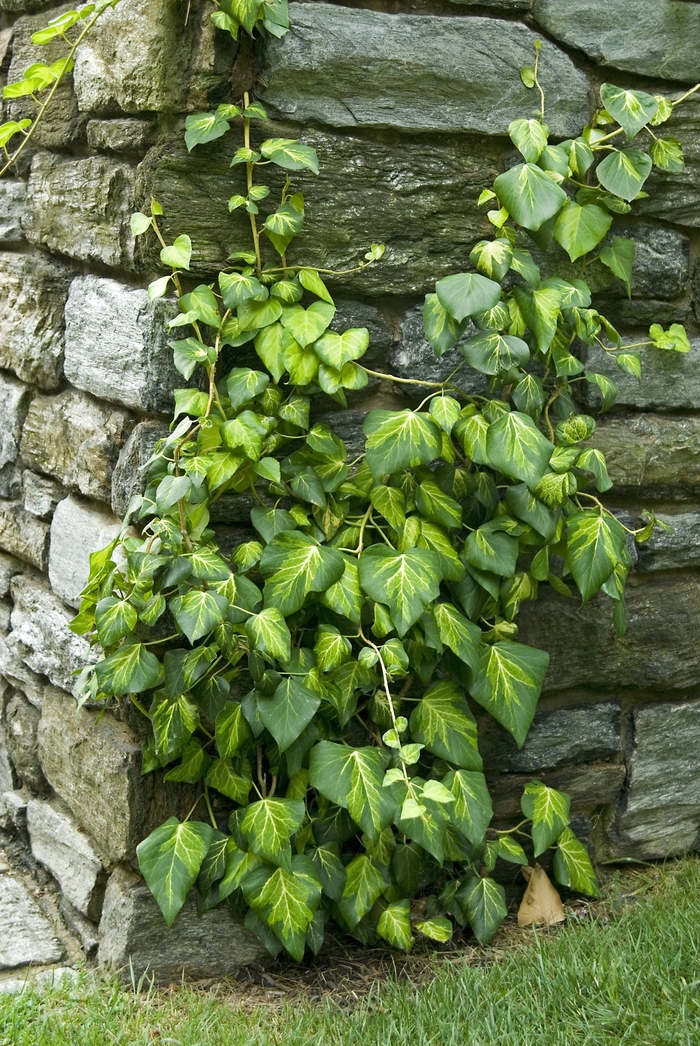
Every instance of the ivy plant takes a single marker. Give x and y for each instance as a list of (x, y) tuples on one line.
[(316, 689)]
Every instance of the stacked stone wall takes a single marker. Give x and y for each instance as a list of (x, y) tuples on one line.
[(408, 105)]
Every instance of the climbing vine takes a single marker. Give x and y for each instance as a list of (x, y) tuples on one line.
[(316, 689)]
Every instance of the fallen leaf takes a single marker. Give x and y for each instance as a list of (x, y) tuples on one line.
[(541, 903)]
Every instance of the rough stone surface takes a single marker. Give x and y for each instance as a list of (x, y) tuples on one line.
[(84, 929), (585, 734), (413, 357), (676, 549), (148, 75), (76, 439), (78, 529), (652, 39), (81, 208), (13, 810), (6, 778), (60, 846), (134, 365), (351, 68), (23, 535), (13, 195), (62, 123), (40, 634), (676, 197), (597, 784), (33, 294), (41, 494), (670, 380), (650, 455), (129, 477), (124, 135), (133, 931), (21, 726), (658, 650), (419, 200), (26, 936), (93, 763), (9, 566), (15, 397), (660, 813), (19, 675)]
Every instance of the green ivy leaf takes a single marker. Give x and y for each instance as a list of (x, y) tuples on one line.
[(114, 618), (631, 109), (345, 596), (129, 670), (366, 881), (170, 859), (493, 258), (548, 810), (174, 721), (391, 503), (471, 812), (509, 683), (443, 723), (353, 778), (404, 581), (437, 929), (222, 776), (398, 440), (467, 293), (244, 384), (436, 506), (442, 331), (462, 636), (231, 730), (580, 229), (623, 173), (285, 901), (594, 461), (595, 542), (572, 865), (492, 550), (331, 648), (268, 632), (178, 255), (198, 612), (268, 826), (529, 137), (667, 154), (289, 711), (294, 565), (529, 195), (331, 870), (394, 925), (516, 447), (335, 350), (484, 904), (306, 325), (619, 258), (540, 308), (675, 339), (204, 127), (290, 154), (494, 353)]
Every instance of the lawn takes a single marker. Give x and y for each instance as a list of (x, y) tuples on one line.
[(628, 972)]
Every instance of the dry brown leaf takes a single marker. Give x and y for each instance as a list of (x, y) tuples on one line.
[(541, 903)]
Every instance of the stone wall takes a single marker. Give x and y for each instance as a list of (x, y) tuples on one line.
[(408, 105)]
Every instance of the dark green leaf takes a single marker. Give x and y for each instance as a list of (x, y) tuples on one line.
[(529, 195), (509, 684), (170, 859), (398, 440), (443, 723)]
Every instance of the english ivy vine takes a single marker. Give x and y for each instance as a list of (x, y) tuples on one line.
[(314, 688)]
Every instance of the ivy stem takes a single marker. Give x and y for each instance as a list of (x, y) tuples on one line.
[(538, 48), (392, 712), (249, 182), (207, 800), (403, 381)]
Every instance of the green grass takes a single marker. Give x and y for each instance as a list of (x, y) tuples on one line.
[(631, 975)]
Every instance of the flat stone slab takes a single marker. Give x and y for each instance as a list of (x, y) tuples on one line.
[(26, 936), (670, 380), (67, 852), (345, 67), (33, 292), (674, 549), (652, 455), (78, 529)]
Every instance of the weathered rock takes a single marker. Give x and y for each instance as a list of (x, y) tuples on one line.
[(134, 366), (353, 68), (93, 763), (13, 195), (170, 65), (13, 810), (26, 936), (652, 456), (40, 634), (659, 39), (81, 208), (659, 815), (418, 199), (15, 397), (33, 294), (584, 734), (66, 851), (22, 6), (657, 651), (413, 357), (23, 535), (9, 566), (76, 439), (128, 135), (674, 549), (129, 476), (675, 197), (502, 5), (6, 778), (589, 786), (5, 611), (41, 494), (78, 529), (133, 933), (82, 928), (670, 380), (359, 314), (62, 124), (19, 675), (21, 726)]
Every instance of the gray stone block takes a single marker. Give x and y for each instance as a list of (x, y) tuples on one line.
[(21, 726), (129, 476), (675, 197), (78, 529), (23, 535), (9, 566), (76, 439), (652, 455), (354, 68), (15, 397), (13, 810), (413, 357), (13, 195), (41, 494), (659, 815), (26, 936), (62, 847), (124, 135), (33, 294), (670, 380), (19, 675), (80, 208), (658, 651), (658, 39), (133, 933), (501, 5), (93, 763), (40, 636), (171, 64), (6, 778), (22, 6), (62, 124), (82, 928), (417, 196), (583, 734), (674, 549), (135, 365), (597, 784)]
